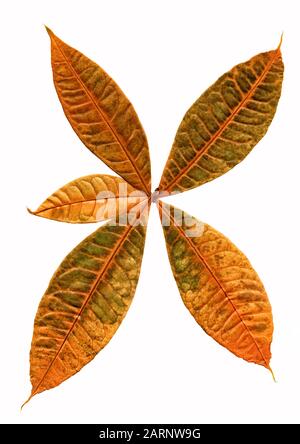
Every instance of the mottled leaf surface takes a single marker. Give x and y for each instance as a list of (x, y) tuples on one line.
[(225, 123), (92, 289), (100, 114), (219, 287), (85, 303), (89, 199)]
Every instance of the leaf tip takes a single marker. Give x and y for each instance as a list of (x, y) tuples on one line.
[(50, 33), (280, 41), (272, 373), (30, 211), (27, 400)]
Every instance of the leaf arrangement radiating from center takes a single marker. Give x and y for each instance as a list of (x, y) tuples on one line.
[(91, 291)]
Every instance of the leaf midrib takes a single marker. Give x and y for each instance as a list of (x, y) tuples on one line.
[(211, 271), (102, 114), (225, 124)]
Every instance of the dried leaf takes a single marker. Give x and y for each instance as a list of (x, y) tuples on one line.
[(219, 286), (85, 303), (225, 123), (89, 199), (100, 114), (92, 289)]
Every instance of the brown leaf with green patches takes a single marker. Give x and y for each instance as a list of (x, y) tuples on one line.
[(89, 199), (225, 123), (219, 286), (85, 303), (100, 114)]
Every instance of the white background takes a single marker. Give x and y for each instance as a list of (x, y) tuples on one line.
[(160, 367)]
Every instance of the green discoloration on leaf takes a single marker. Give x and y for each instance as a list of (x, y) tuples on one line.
[(215, 133), (106, 239), (86, 262), (211, 276), (73, 299), (85, 303)]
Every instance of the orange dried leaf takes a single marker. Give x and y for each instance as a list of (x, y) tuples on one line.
[(219, 287), (100, 114), (225, 123), (89, 199), (85, 303)]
